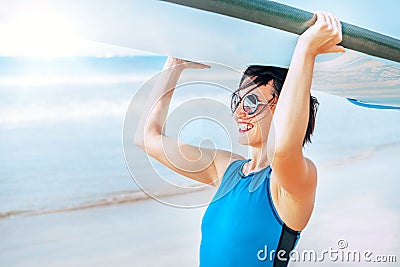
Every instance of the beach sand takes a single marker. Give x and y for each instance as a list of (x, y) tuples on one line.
[(356, 201), (143, 233)]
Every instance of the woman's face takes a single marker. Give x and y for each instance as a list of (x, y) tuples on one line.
[(254, 128)]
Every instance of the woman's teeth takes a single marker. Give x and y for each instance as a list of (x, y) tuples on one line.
[(244, 127)]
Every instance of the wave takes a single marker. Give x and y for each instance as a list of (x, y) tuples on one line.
[(117, 198), (11, 117), (123, 197), (94, 79)]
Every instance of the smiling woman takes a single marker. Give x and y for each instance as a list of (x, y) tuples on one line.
[(267, 199)]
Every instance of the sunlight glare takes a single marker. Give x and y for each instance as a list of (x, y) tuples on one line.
[(42, 34)]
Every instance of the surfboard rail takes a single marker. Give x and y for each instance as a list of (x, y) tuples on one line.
[(294, 20)]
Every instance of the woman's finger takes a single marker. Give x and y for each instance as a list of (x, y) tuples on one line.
[(197, 65), (206, 66), (339, 27), (330, 21), (337, 22), (336, 29), (320, 17), (188, 64), (202, 66)]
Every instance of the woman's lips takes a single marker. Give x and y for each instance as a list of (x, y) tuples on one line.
[(245, 126)]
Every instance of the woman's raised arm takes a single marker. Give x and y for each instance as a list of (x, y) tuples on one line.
[(295, 173), (200, 164)]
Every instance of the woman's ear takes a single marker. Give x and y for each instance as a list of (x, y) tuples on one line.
[(272, 109), (274, 93), (271, 84), (275, 101)]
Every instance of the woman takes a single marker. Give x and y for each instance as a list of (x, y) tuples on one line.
[(264, 202)]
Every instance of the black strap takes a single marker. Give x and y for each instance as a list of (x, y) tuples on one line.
[(286, 243)]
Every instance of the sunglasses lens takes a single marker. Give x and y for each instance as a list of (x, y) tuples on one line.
[(250, 104), (234, 102)]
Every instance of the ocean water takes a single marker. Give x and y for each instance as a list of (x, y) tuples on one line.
[(61, 125)]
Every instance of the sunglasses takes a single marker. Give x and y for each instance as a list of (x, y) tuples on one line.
[(250, 103)]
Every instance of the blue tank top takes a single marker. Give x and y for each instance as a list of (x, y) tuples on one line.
[(241, 226)]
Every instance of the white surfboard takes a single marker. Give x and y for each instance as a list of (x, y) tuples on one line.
[(170, 29)]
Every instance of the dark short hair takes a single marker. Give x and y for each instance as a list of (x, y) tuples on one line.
[(264, 74)]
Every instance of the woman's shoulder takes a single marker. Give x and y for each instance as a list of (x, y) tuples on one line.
[(224, 161)]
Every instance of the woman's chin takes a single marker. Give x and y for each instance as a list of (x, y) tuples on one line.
[(248, 139), (243, 139)]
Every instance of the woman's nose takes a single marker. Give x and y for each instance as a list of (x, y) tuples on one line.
[(240, 112)]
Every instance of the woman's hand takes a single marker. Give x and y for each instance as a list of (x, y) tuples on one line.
[(323, 37), (181, 64)]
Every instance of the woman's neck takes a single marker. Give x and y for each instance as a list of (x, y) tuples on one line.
[(259, 160)]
